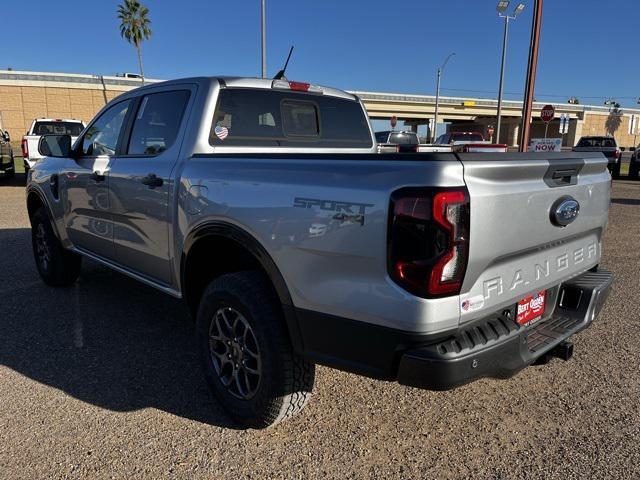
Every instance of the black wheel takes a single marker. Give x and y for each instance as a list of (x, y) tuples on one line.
[(246, 353), (633, 169), (57, 267), (615, 170)]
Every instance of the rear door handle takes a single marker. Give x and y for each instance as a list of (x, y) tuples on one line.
[(152, 181)]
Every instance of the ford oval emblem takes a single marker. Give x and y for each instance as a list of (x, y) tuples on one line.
[(564, 211)]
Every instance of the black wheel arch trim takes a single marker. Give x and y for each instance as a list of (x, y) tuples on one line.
[(47, 207), (230, 231)]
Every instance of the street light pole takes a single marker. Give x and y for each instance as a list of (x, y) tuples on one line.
[(502, 6), (435, 119), (264, 39)]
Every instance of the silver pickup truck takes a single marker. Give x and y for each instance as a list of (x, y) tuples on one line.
[(265, 206)]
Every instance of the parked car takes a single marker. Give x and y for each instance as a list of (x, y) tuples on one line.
[(459, 137), (7, 167), (469, 142), (634, 164), (608, 147), (266, 207), (398, 141), (46, 126)]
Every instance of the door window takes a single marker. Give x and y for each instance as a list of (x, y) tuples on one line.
[(157, 122), (102, 136)]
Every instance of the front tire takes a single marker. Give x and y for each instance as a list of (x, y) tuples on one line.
[(57, 267), (246, 352)]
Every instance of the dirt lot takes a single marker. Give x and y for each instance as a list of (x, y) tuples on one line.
[(101, 381)]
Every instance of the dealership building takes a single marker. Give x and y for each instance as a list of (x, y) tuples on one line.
[(25, 96)]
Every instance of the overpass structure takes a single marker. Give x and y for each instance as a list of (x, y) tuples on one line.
[(477, 114), (28, 95)]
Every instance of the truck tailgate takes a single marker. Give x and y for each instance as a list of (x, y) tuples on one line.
[(515, 248)]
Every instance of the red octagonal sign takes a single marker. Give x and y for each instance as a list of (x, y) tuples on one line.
[(547, 113)]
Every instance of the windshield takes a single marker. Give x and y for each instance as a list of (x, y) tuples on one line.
[(58, 128), (403, 138)]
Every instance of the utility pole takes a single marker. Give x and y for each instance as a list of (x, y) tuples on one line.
[(532, 66), (435, 120), (264, 39)]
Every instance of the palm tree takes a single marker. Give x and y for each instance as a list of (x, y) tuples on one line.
[(135, 26)]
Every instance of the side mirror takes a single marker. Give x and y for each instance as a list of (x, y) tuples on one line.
[(55, 146)]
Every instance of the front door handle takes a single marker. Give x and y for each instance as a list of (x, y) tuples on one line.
[(152, 181), (97, 177)]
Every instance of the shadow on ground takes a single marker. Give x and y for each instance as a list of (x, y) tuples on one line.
[(108, 340), (626, 201), (18, 180)]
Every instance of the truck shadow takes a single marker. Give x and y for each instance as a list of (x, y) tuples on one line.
[(18, 180), (108, 340)]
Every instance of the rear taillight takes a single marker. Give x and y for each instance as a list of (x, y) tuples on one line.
[(617, 153), (428, 241), (25, 148)]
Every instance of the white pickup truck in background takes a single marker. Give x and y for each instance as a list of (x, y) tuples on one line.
[(47, 126)]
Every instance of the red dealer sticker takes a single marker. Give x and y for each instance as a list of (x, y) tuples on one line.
[(530, 308)]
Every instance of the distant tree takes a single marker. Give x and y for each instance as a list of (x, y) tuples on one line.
[(135, 26)]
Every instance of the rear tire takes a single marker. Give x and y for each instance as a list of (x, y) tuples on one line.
[(615, 170), (633, 170), (57, 267), (246, 352)]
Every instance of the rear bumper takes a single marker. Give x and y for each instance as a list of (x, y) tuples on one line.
[(497, 346)]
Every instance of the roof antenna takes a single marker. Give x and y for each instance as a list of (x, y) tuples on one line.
[(280, 74)]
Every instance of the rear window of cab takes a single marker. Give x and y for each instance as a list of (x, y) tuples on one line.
[(270, 118)]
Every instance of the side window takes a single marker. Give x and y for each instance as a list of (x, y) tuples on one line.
[(102, 136), (157, 122)]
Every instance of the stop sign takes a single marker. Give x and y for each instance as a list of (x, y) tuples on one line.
[(393, 121), (547, 113)]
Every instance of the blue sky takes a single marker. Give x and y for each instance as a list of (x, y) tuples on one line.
[(589, 48)]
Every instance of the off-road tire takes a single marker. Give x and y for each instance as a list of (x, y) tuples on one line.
[(62, 267), (286, 379)]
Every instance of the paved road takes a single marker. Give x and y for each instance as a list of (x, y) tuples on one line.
[(101, 381)]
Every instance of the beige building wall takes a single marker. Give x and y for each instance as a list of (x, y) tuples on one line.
[(597, 123), (21, 105)]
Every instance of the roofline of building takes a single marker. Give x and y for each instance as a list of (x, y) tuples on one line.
[(79, 80)]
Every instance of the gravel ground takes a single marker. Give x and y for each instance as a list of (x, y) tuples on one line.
[(101, 381)]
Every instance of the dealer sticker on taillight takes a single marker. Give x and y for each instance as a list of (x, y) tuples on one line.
[(531, 308)]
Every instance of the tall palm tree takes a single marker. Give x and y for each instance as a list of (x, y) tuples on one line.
[(135, 26)]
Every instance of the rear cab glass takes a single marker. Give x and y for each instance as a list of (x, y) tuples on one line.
[(268, 118), (403, 138), (466, 137), (58, 128), (597, 142)]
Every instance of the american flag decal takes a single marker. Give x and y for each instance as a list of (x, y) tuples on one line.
[(221, 132)]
